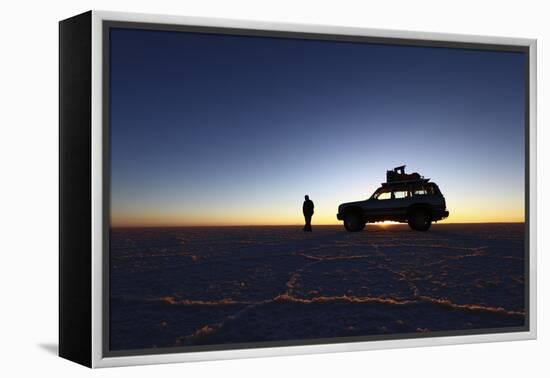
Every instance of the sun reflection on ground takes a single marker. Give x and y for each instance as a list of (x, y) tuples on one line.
[(384, 224)]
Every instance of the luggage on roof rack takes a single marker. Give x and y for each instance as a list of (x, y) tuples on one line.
[(398, 175)]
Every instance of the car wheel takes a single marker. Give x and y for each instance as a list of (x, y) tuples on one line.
[(420, 220), (354, 222)]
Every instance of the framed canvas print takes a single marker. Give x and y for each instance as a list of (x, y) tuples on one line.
[(234, 189)]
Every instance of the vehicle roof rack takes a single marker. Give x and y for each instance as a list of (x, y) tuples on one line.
[(405, 182), (398, 176)]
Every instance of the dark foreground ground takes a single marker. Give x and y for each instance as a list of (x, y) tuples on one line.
[(200, 286)]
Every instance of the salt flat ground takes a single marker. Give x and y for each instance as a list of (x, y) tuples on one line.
[(199, 286)]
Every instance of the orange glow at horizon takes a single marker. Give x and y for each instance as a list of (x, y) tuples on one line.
[(501, 215), (287, 211)]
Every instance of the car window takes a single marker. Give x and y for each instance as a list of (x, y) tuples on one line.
[(401, 194), (384, 196), (420, 192)]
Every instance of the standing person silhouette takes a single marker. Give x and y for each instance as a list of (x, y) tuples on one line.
[(307, 209)]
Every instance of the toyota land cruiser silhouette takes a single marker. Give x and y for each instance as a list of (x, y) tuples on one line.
[(404, 198)]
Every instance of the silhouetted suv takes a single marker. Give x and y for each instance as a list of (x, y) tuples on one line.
[(403, 198)]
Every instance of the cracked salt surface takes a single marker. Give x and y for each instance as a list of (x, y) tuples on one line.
[(204, 285)]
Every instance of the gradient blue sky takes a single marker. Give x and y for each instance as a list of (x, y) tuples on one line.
[(219, 129)]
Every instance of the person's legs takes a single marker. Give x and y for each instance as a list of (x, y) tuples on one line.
[(308, 223)]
